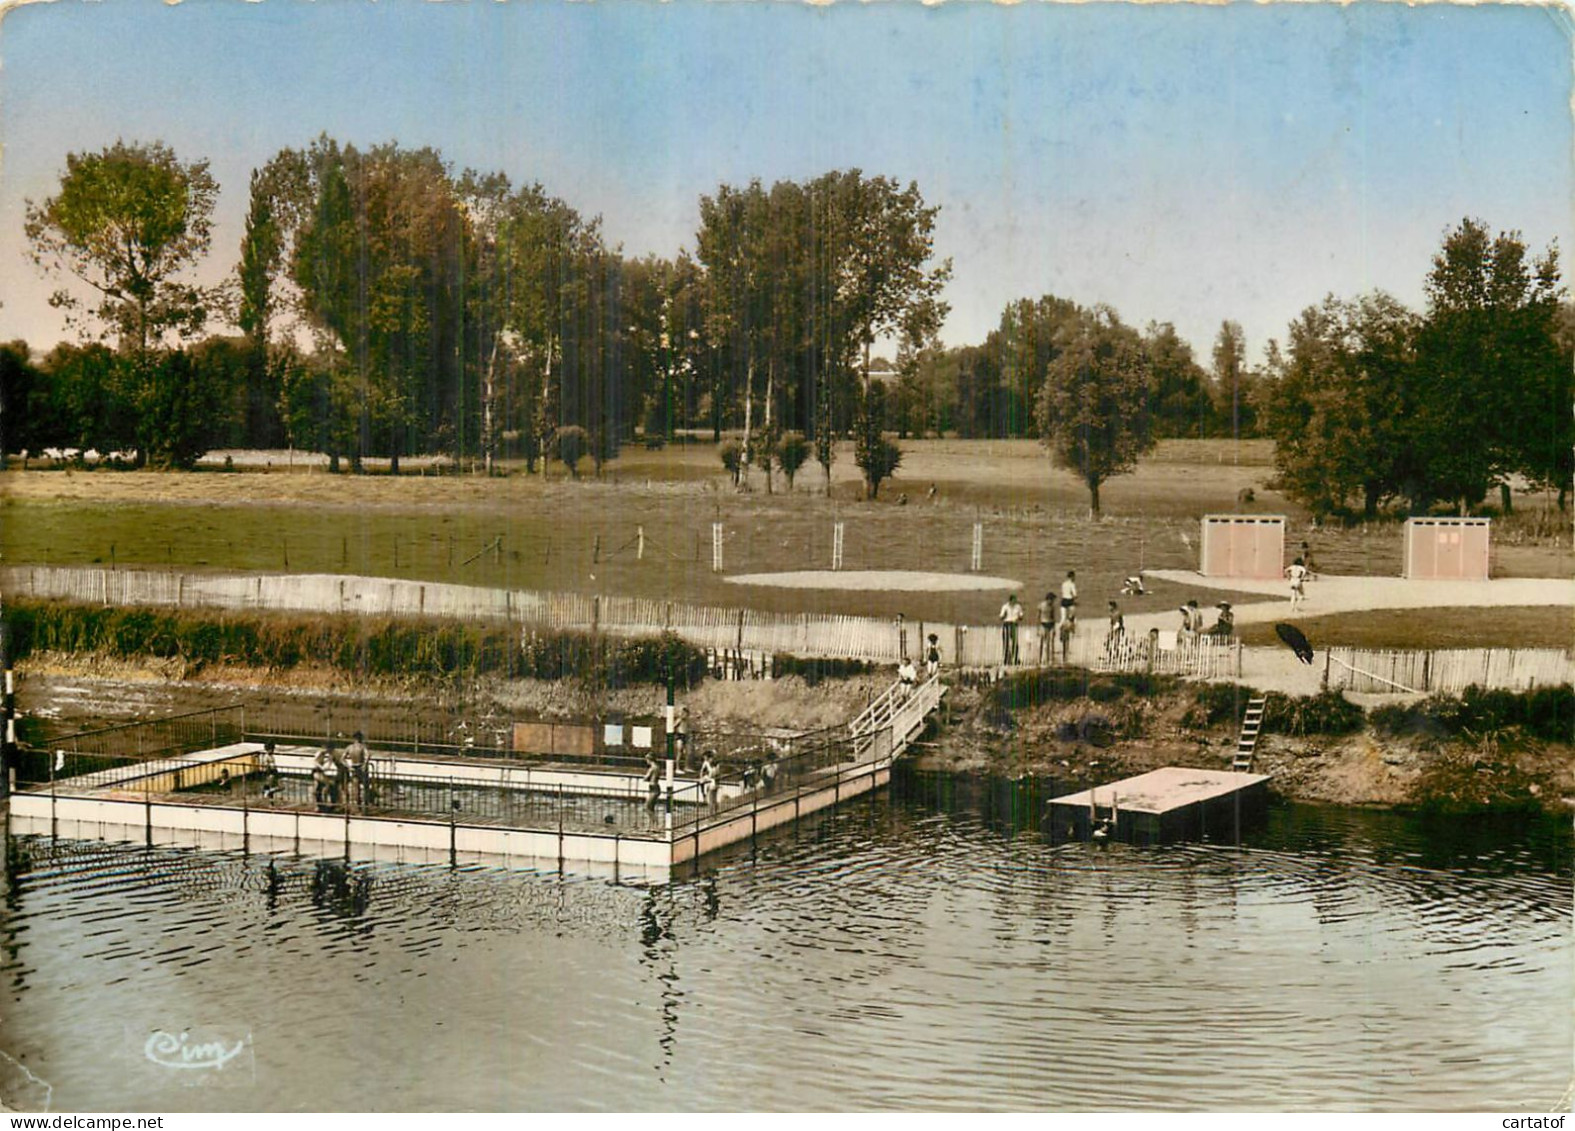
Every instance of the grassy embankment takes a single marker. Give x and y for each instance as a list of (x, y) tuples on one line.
[(557, 534)]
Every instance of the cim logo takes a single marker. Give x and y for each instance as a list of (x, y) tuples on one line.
[(181, 1050)]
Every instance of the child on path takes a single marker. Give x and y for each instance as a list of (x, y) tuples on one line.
[(1297, 572), (1116, 632), (932, 656)]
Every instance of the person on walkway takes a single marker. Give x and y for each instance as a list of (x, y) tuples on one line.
[(327, 771), (1011, 613), (708, 779), (681, 737), (1047, 620), (932, 656), (768, 772), (268, 766), (1189, 623), (1069, 597), (1297, 572), (653, 781), (1115, 635), (907, 676), (358, 764), (1225, 623)]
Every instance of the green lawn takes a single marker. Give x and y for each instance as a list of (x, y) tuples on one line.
[(567, 535)]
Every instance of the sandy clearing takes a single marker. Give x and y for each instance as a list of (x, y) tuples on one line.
[(869, 580), (1336, 594)]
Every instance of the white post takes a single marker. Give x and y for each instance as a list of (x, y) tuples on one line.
[(639, 550), (978, 547), (836, 546), (716, 547)]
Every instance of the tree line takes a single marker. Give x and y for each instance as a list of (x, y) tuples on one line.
[(1370, 402), (383, 305)]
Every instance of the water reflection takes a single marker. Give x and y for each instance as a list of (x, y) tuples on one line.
[(924, 950)]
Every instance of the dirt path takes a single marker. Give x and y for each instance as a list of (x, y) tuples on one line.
[(1334, 594)]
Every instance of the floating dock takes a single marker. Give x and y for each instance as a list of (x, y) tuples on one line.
[(464, 809), (1168, 804)]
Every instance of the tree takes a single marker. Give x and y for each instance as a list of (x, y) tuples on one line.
[(1178, 387), (262, 257), (570, 444), (26, 414), (379, 261), (1020, 349), (1494, 382), (128, 221), (792, 453), (1340, 406), (1231, 381), (89, 402), (876, 456), (825, 440), (882, 278), (1093, 411)]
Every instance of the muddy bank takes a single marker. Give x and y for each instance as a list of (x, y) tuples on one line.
[(59, 694), (1075, 742), (1083, 742)]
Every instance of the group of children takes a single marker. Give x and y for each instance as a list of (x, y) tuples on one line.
[(1224, 626), (762, 774), (342, 776)]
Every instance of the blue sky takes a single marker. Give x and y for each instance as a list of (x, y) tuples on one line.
[(1182, 163)]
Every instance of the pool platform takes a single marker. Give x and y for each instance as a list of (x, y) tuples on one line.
[(1162, 805), (466, 809)]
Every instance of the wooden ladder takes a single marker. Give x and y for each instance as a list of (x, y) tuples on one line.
[(1251, 724)]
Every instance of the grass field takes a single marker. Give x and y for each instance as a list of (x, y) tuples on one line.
[(1505, 627), (531, 532)]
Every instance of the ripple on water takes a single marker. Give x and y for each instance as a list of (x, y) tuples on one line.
[(888, 955)]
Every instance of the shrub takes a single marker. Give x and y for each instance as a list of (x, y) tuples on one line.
[(814, 669), (1105, 691), (392, 646), (1328, 712), (1218, 703), (731, 453), (792, 454), (1059, 685), (571, 444)]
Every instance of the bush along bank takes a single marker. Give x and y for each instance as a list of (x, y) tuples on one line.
[(365, 647), (1481, 750)]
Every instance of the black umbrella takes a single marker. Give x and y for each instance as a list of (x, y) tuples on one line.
[(1298, 643)]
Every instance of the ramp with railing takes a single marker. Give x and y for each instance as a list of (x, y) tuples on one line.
[(896, 717)]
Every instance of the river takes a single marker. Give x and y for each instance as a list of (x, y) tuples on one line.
[(921, 950)]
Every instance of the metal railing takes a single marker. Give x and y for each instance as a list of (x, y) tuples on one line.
[(742, 785), (145, 741)]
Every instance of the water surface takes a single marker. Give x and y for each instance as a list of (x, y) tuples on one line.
[(908, 952)]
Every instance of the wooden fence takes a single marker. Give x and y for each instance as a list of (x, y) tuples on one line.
[(1450, 670)]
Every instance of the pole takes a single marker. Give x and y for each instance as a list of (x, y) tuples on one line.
[(7, 713), (672, 742)]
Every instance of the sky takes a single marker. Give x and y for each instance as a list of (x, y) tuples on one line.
[(1183, 163)]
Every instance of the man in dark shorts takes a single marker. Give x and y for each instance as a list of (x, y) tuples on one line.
[(1047, 619)]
